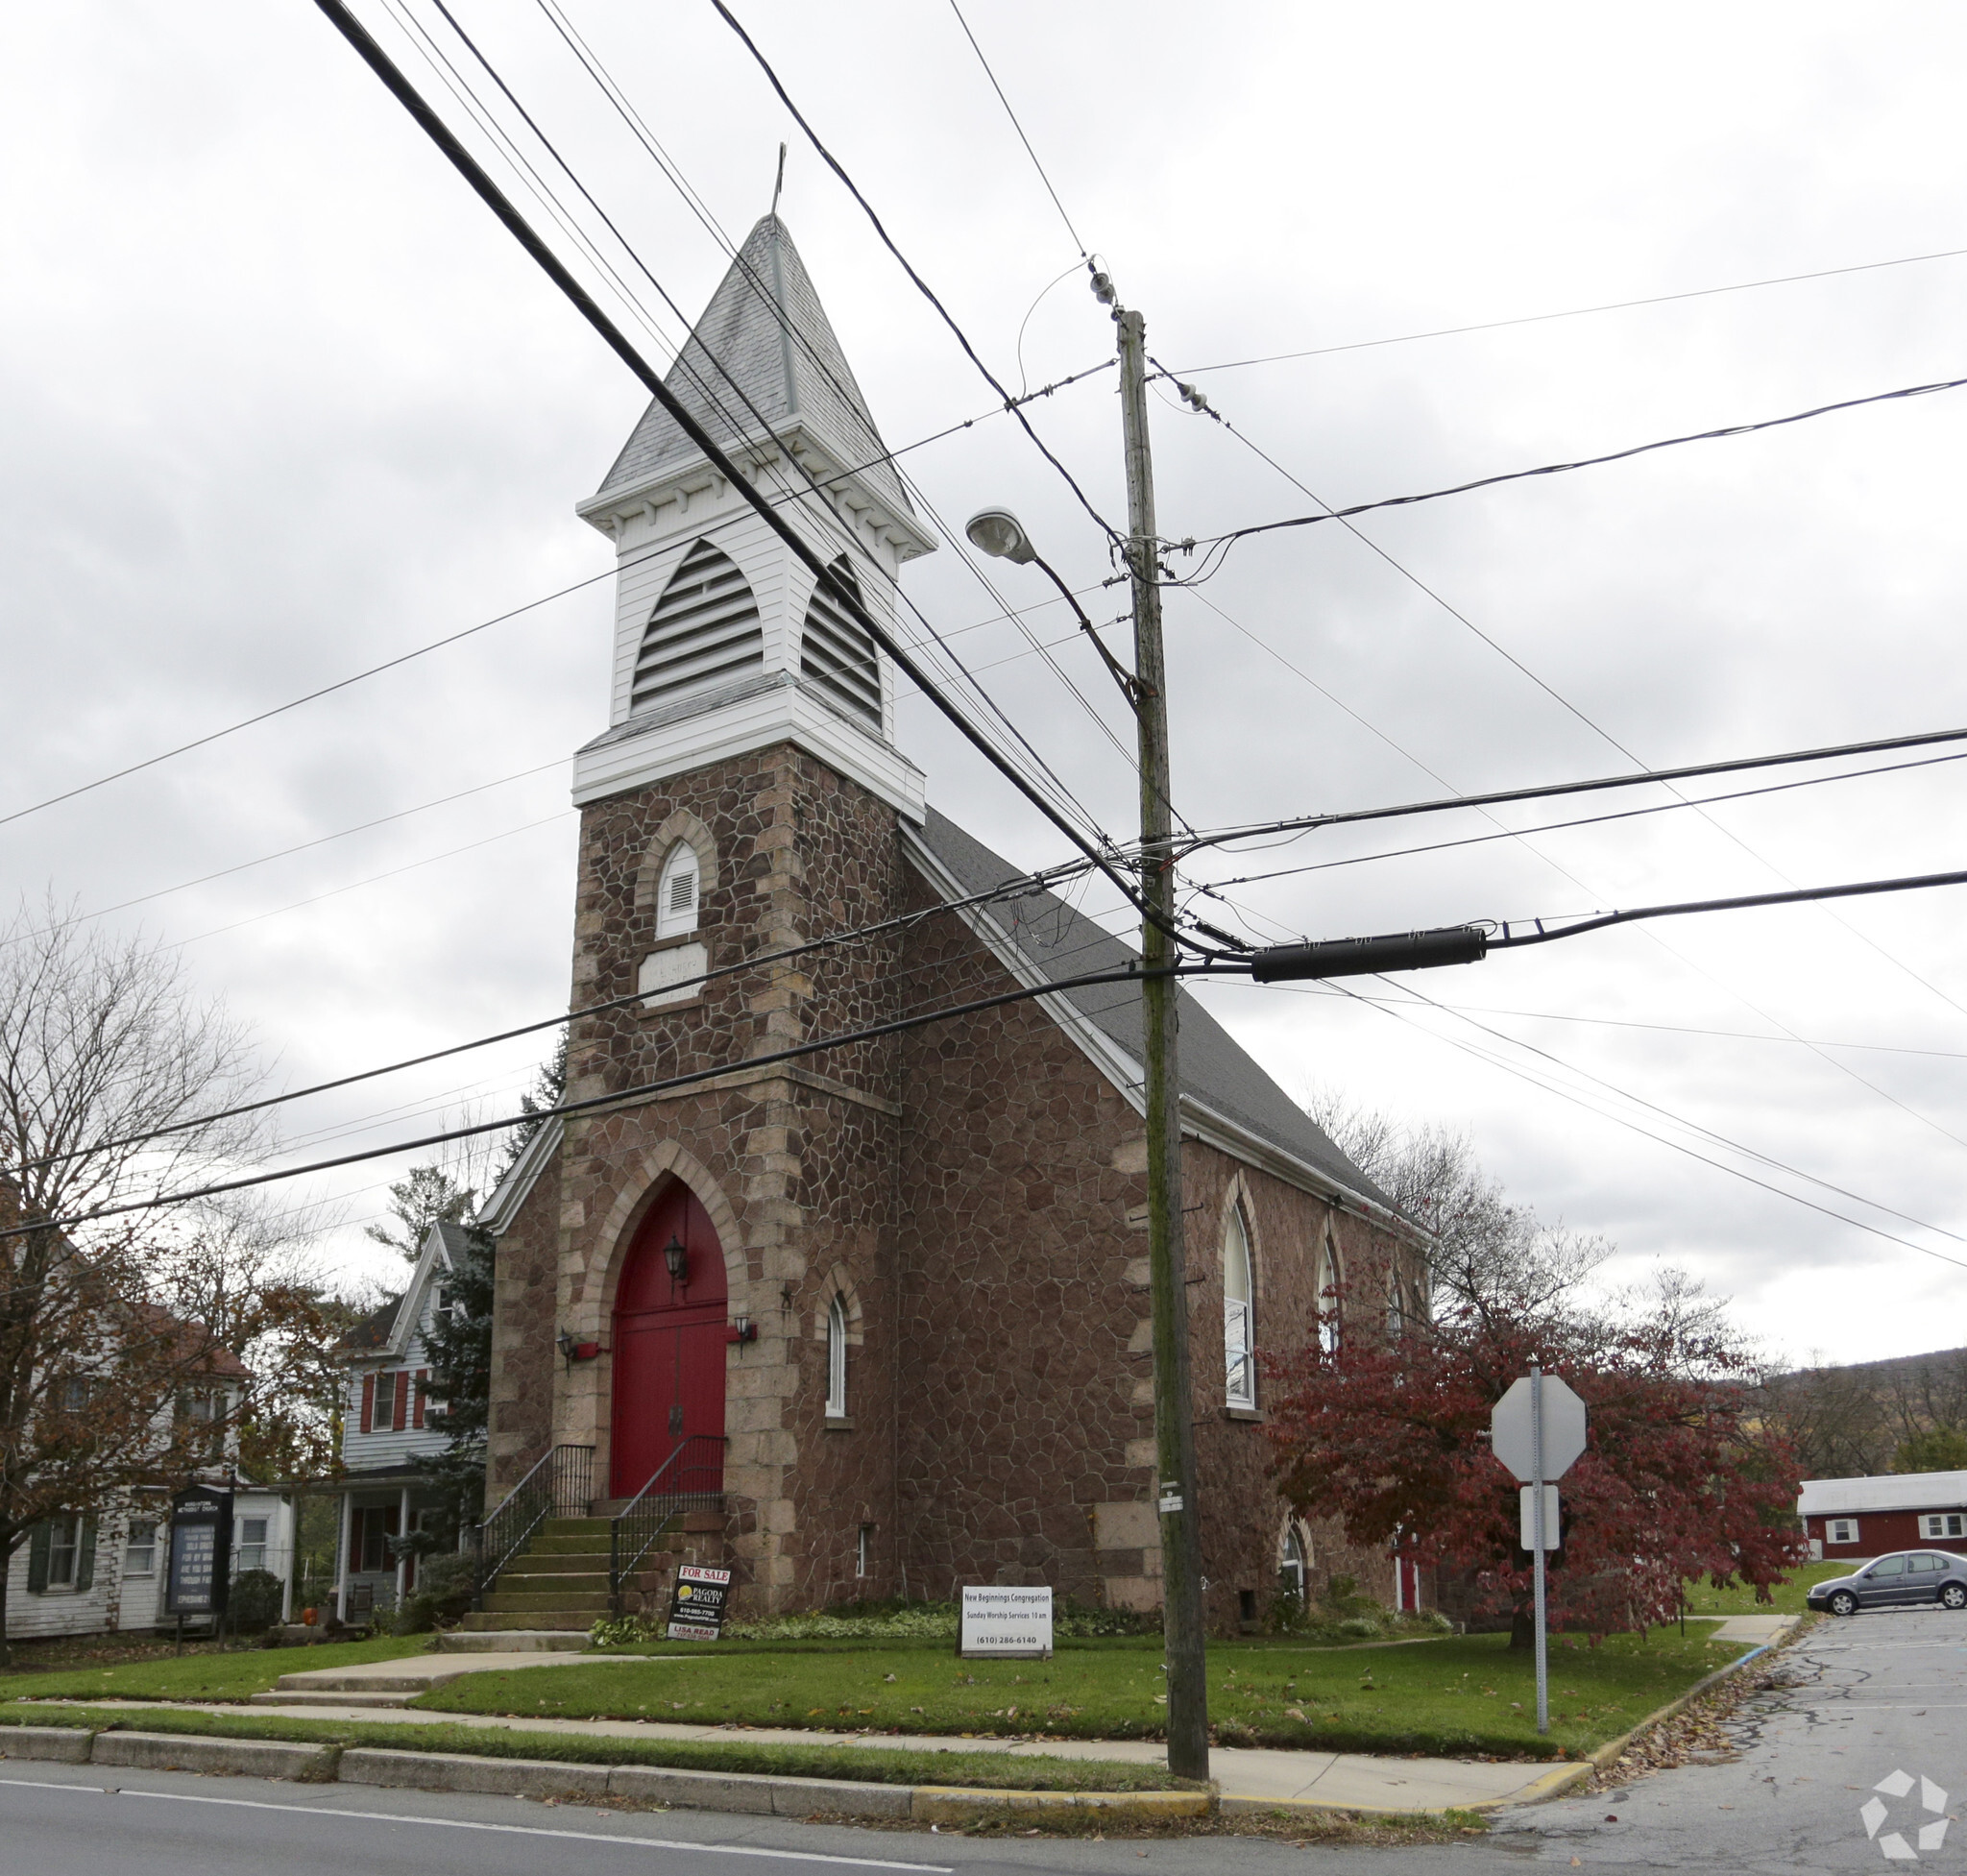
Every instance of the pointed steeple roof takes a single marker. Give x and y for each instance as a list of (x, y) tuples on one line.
[(766, 326)]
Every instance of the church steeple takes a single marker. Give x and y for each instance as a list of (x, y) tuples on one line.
[(721, 642)]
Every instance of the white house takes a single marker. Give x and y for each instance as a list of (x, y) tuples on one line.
[(386, 1433)]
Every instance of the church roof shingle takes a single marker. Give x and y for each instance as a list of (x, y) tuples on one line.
[(791, 368)]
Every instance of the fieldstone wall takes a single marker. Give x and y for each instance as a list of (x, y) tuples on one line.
[(523, 1357)]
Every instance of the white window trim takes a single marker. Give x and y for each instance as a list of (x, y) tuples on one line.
[(837, 1359), (1239, 1316), (1330, 1277), (1934, 1524), (1840, 1530)]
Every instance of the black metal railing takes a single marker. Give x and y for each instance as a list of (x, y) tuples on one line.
[(562, 1485), (691, 1479)]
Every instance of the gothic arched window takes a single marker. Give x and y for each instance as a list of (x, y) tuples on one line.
[(837, 654), (1239, 1350), (837, 1359), (1329, 1282), (704, 631), (676, 892)]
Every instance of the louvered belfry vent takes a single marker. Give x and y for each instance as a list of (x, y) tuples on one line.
[(837, 654), (704, 631)]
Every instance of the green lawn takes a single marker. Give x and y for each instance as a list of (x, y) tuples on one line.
[(1460, 1695), (1704, 1599), (234, 1675), (868, 1765)]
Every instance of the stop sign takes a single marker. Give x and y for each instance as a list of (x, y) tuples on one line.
[(1564, 1429)]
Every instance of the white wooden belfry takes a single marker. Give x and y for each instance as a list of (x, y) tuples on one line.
[(723, 641)]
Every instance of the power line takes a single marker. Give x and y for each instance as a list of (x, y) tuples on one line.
[(1543, 792), (494, 199), (1577, 312), (645, 1091), (1587, 820), (714, 398), (1019, 128), (1677, 1146), (1010, 890), (922, 286), (1225, 541)]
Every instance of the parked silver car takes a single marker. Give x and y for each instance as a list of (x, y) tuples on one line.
[(1904, 1579)]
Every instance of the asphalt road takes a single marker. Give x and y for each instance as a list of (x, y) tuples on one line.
[(1874, 1696)]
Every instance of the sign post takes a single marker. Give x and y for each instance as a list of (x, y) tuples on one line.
[(200, 1575), (1537, 1429)]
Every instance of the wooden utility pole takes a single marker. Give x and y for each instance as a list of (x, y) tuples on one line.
[(1181, 1580)]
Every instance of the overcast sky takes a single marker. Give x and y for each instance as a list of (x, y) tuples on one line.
[(280, 400)]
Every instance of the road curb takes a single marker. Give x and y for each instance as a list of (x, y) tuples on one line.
[(756, 1793), (1567, 1779)]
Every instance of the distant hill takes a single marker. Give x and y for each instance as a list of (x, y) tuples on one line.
[(1849, 1420)]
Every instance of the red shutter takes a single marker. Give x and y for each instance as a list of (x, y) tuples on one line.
[(369, 1402), (401, 1378), (422, 1379)]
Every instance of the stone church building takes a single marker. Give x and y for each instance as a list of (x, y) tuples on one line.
[(890, 1299)]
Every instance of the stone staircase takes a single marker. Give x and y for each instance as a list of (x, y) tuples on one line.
[(558, 1584)]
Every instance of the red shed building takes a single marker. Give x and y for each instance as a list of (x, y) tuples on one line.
[(1858, 1518)]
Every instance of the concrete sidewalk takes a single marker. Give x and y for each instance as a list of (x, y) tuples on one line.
[(1251, 1779), (396, 1683)]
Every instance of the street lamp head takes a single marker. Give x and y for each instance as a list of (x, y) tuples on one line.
[(998, 532)]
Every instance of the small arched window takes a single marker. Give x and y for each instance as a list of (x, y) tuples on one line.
[(676, 892), (1294, 1562), (1328, 1281), (1397, 1307), (837, 1359), (1239, 1354)]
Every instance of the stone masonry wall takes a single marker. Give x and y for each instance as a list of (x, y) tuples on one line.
[(795, 1164), (524, 1355)]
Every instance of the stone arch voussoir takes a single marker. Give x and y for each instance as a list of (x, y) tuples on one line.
[(682, 825), (640, 1188)]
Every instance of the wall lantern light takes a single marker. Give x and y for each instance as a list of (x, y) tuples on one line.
[(677, 1258), (741, 1330)]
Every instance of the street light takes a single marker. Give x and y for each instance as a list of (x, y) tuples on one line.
[(999, 533)]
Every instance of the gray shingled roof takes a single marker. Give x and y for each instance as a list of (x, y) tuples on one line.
[(373, 1331), (1215, 1072), (742, 330)]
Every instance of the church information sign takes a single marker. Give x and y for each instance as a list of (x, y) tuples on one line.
[(1009, 1624), (696, 1604), (201, 1566)]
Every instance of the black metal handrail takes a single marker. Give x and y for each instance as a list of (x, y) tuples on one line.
[(562, 1485), (691, 1479)]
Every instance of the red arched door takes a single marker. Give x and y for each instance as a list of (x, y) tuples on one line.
[(669, 1346)]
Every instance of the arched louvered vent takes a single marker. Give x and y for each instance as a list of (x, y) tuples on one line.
[(837, 654), (704, 630)]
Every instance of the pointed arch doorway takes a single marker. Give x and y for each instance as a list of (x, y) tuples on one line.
[(668, 1351)]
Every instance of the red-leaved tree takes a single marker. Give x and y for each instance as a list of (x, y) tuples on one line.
[(1679, 1480)]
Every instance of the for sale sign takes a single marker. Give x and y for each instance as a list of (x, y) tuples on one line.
[(200, 1570), (1009, 1623), (696, 1604)]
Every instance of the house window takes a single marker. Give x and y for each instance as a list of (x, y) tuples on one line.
[(676, 892), (251, 1552), (64, 1546), (862, 1546), (1239, 1356), (140, 1547), (1397, 1308), (1841, 1530), (386, 1401), (1943, 1523), (1328, 1283), (837, 1359)]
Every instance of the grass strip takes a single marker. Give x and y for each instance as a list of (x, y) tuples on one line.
[(1461, 1695), (236, 1674), (867, 1766)]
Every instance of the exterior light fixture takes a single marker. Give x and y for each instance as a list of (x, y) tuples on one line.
[(677, 1259), (742, 1328), (998, 532)]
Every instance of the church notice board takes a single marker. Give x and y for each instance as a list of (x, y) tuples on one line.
[(696, 1604), (200, 1573), (1012, 1625)]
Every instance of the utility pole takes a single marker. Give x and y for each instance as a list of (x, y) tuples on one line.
[(1181, 1579)]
